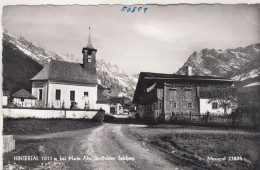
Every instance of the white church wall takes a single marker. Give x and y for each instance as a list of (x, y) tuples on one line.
[(65, 95), (36, 86)]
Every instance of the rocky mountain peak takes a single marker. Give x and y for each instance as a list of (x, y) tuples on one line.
[(108, 74), (239, 63)]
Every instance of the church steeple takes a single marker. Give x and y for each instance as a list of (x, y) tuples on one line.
[(89, 39), (89, 57), (89, 45)]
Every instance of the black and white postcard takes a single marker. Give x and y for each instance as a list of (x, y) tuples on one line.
[(140, 86)]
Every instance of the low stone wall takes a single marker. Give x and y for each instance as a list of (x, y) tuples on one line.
[(9, 143), (48, 113)]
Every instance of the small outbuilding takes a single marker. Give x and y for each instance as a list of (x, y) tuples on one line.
[(102, 101), (23, 98)]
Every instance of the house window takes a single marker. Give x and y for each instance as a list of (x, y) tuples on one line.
[(72, 95), (57, 96), (188, 93), (173, 105), (173, 93), (86, 94), (214, 105), (40, 94), (189, 105)]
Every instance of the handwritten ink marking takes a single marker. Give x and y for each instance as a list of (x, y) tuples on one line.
[(129, 9), (133, 9), (124, 8)]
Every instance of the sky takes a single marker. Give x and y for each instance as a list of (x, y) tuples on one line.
[(158, 40)]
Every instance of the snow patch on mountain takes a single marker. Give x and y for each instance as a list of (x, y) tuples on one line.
[(238, 64), (109, 75), (31, 49), (253, 84)]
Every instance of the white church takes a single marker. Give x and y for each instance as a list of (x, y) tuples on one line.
[(62, 84)]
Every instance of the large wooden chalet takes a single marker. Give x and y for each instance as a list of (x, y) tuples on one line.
[(160, 95)]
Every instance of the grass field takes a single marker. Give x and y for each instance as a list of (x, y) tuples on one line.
[(54, 138), (195, 147), (44, 126), (185, 146)]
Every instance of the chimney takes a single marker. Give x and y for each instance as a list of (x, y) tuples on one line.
[(188, 70)]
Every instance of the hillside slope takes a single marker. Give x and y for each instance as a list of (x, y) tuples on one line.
[(108, 74), (18, 68)]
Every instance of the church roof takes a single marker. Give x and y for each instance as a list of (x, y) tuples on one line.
[(23, 94), (89, 45), (65, 71)]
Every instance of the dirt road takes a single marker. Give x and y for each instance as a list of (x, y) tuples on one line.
[(132, 146), (109, 142), (104, 147)]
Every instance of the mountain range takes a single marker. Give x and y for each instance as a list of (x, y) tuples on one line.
[(24, 58), (240, 64)]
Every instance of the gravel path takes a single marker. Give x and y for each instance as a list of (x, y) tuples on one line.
[(109, 141), (104, 147)]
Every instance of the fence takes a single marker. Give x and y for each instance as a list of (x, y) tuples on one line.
[(237, 118)]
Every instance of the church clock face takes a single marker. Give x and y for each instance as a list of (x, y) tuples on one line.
[(89, 60)]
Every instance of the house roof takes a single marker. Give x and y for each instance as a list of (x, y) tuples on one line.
[(112, 92), (23, 94), (65, 71), (147, 79), (100, 97), (216, 93), (149, 75)]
